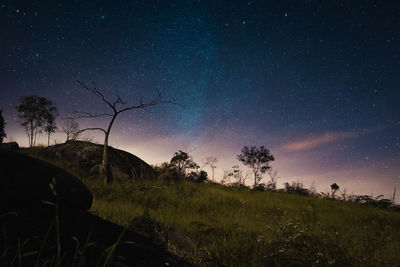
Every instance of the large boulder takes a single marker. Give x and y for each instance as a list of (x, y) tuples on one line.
[(25, 182), (86, 157), (13, 146)]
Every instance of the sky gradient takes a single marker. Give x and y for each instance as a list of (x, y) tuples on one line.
[(316, 82)]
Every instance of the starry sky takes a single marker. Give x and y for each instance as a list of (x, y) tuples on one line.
[(317, 82)]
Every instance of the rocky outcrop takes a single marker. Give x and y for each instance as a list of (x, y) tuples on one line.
[(13, 146), (26, 181), (86, 157)]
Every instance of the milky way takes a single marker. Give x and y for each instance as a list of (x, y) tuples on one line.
[(317, 82)]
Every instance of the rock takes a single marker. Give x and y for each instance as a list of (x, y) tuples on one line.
[(24, 182), (13, 146), (86, 157), (93, 235), (82, 239), (167, 236)]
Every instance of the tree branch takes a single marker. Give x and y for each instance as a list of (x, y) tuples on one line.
[(84, 114), (92, 129), (97, 93)]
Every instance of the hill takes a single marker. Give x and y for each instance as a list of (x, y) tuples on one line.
[(85, 157), (239, 227)]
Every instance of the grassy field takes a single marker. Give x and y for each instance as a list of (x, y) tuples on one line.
[(239, 227), (233, 227)]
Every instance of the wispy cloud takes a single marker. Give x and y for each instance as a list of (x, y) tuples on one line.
[(317, 140)]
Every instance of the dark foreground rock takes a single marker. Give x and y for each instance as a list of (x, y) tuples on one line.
[(45, 227), (86, 157), (84, 239), (25, 182)]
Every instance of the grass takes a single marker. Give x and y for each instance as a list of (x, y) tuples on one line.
[(233, 227), (238, 227)]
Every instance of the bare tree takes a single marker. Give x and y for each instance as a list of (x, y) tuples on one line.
[(117, 107), (237, 175), (71, 128), (273, 178), (211, 161)]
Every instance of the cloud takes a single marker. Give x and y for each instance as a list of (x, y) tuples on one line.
[(317, 140)]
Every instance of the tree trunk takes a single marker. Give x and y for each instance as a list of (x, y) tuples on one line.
[(48, 140), (31, 138), (106, 171)]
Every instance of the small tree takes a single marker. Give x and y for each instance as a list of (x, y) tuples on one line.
[(257, 159), (2, 126), (211, 161), (181, 161), (34, 111), (50, 126), (334, 188), (71, 128)]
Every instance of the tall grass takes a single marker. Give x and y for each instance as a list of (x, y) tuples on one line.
[(233, 227)]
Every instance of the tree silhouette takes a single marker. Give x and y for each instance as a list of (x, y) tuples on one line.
[(2, 126), (34, 112), (117, 107), (256, 158), (50, 124), (334, 188), (181, 161)]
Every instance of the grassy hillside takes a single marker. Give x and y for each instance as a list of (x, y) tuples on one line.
[(233, 227), (238, 227)]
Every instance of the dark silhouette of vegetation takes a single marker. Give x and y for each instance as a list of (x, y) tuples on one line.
[(71, 128), (2, 126), (117, 107), (181, 167), (183, 162), (199, 177), (296, 188), (34, 112), (334, 188), (257, 159), (50, 126)]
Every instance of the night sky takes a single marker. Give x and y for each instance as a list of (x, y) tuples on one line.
[(317, 82)]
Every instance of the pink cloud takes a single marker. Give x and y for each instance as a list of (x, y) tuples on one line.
[(317, 140)]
